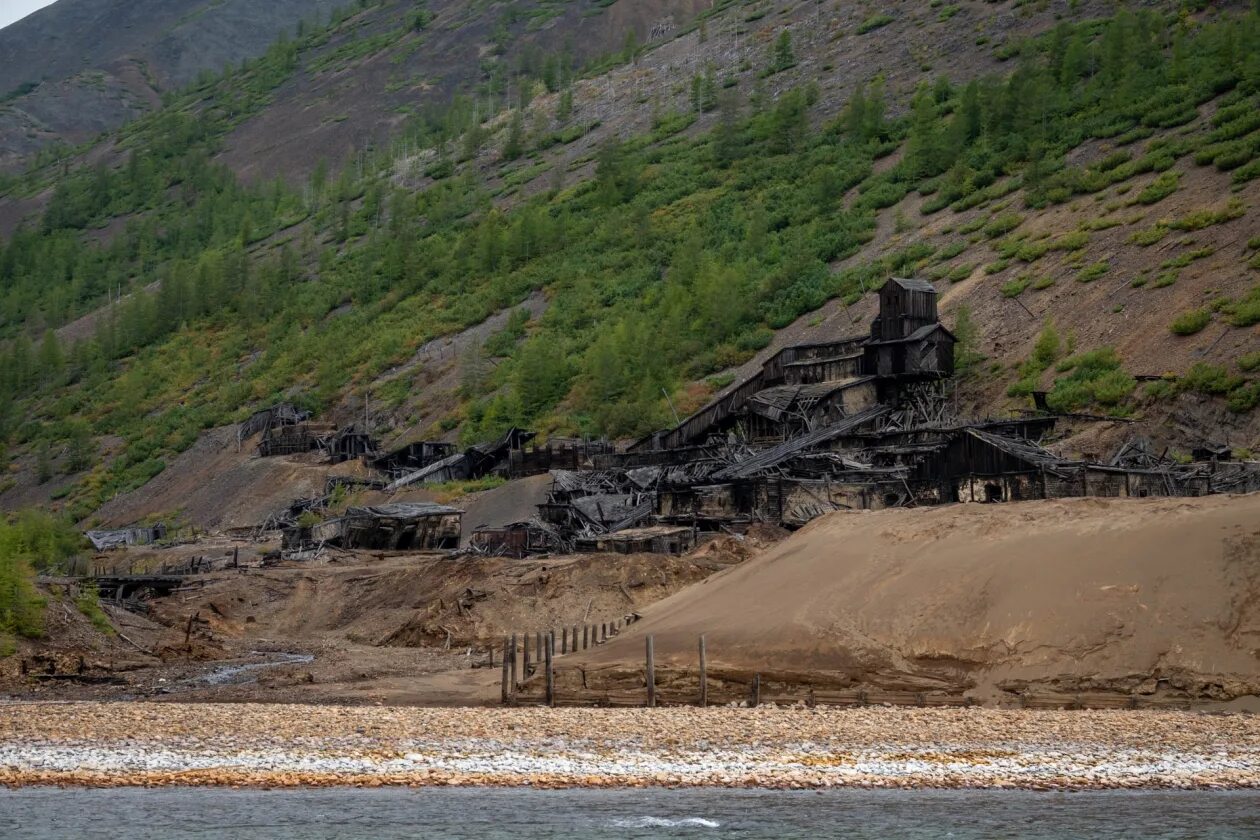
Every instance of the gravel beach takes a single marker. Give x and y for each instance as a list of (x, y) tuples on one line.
[(150, 744)]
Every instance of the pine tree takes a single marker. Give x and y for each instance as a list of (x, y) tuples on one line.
[(782, 57), (564, 107), (513, 148)]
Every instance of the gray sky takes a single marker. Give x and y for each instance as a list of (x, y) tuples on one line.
[(11, 10)]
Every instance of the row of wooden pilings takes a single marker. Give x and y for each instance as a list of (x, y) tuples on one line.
[(591, 635)]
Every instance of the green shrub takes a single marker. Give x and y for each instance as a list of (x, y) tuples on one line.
[(1250, 361), (1200, 219), (1095, 377), (1149, 236), (1092, 272), (1244, 398), (1015, 287), (88, 602), (1045, 281), (1163, 186), (1189, 323), (29, 542), (1074, 241), (874, 22), (1002, 225), (1204, 378)]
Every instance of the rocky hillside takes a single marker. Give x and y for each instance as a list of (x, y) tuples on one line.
[(80, 67), (569, 215)]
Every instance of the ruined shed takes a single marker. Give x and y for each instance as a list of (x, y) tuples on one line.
[(399, 526), (103, 540), (655, 539)]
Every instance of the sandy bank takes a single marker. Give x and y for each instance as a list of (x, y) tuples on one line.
[(1134, 597), (267, 745)]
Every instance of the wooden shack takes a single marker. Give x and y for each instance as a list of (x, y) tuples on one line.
[(399, 526), (655, 539)]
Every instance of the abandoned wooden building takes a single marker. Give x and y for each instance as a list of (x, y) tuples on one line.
[(399, 526), (106, 539)]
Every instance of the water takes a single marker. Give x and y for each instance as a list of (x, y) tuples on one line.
[(521, 814), (244, 673)]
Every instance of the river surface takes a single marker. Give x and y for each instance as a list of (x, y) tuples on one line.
[(522, 814)]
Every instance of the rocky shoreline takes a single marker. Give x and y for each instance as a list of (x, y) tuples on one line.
[(159, 744)]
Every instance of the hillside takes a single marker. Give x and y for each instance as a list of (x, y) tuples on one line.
[(1083, 595), (577, 217)]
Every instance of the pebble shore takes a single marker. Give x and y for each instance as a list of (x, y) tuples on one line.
[(160, 744)]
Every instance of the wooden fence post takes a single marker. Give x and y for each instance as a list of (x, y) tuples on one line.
[(538, 645), (603, 632), (651, 674), (551, 674), (704, 676), (564, 639), (512, 656), (525, 662), (573, 639), (754, 697), (506, 675), (586, 636)]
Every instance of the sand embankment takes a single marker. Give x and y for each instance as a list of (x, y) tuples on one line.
[(120, 744), (1147, 597)]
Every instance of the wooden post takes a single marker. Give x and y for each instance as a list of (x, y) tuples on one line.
[(704, 676), (586, 636), (538, 645), (551, 641), (573, 648), (512, 657), (506, 676), (491, 646), (651, 674), (603, 632), (551, 674), (564, 639), (525, 663), (754, 696)]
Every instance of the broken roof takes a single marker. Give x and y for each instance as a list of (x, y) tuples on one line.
[(778, 454), (912, 284), (919, 334), (402, 510)]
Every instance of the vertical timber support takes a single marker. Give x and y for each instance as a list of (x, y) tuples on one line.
[(704, 676), (651, 673), (507, 676), (512, 656), (551, 674)]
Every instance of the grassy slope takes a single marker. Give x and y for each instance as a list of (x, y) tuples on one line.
[(690, 246)]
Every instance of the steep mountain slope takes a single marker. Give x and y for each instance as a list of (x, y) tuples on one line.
[(79, 67), (1081, 184)]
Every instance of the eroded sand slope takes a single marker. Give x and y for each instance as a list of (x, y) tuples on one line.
[(1145, 596)]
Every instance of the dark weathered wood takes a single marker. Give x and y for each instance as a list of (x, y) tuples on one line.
[(512, 656), (754, 695), (586, 636), (704, 676), (525, 663), (564, 639), (651, 674), (573, 636), (538, 645), (507, 657), (551, 674)]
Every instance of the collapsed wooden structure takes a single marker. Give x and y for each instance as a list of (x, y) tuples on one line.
[(399, 526), (858, 423)]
